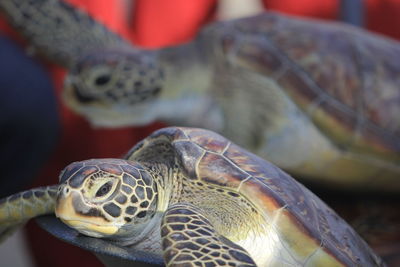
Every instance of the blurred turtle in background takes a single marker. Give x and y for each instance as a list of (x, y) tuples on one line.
[(319, 99)]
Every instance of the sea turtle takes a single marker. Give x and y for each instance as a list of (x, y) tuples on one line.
[(200, 200), (319, 99)]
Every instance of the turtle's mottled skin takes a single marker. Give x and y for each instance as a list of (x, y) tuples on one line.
[(15, 210), (200, 200), (319, 99), (58, 31)]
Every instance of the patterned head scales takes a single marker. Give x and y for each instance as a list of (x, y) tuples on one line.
[(106, 197), (113, 84)]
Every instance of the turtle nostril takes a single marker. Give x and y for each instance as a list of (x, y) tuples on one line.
[(66, 191), (102, 80)]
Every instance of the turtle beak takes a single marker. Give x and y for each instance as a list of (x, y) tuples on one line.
[(71, 210), (64, 202)]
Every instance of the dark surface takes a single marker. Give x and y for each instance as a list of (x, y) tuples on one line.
[(377, 219), (108, 253)]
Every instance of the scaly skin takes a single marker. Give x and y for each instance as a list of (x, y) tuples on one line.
[(15, 210), (58, 31), (195, 197), (125, 201), (215, 248)]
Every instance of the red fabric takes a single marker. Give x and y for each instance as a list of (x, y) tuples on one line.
[(384, 17), (155, 23), (161, 22), (6, 29), (327, 9)]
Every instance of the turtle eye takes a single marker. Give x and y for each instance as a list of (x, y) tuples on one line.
[(102, 80), (104, 189)]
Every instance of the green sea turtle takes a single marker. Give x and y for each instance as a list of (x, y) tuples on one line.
[(200, 200), (319, 99)]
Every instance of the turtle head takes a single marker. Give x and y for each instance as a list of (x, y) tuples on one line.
[(115, 88), (106, 198)]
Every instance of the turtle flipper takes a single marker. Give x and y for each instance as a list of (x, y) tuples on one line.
[(57, 30), (189, 239), (15, 210)]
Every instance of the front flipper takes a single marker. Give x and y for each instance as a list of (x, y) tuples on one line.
[(189, 239), (59, 31), (15, 210)]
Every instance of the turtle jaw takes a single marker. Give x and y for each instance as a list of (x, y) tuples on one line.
[(110, 115), (91, 229), (68, 212)]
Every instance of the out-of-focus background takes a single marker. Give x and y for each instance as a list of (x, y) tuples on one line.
[(148, 23)]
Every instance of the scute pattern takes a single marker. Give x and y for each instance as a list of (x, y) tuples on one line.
[(308, 213), (272, 190), (358, 90), (191, 154), (235, 210), (137, 197), (189, 239), (79, 176), (319, 221), (212, 142), (215, 169)]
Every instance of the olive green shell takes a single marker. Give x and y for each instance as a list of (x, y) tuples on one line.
[(346, 79), (307, 224)]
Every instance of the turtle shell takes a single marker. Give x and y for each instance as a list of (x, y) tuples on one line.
[(312, 232), (345, 79)]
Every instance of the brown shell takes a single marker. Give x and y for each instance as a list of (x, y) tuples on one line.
[(346, 79), (213, 159)]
